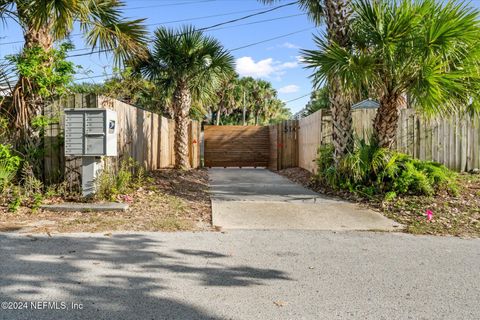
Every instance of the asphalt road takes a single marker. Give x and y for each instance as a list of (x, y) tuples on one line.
[(240, 275)]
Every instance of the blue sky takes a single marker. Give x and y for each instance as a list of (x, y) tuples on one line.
[(276, 60)]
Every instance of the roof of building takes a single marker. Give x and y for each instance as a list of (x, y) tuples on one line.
[(366, 104)]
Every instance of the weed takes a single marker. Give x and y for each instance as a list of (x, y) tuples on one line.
[(16, 200), (111, 184)]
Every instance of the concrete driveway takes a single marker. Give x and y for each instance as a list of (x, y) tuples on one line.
[(240, 274), (261, 199)]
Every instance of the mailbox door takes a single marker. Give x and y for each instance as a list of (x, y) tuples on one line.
[(95, 133), (74, 124), (95, 145)]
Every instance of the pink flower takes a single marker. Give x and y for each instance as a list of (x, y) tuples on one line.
[(429, 215), (126, 198)]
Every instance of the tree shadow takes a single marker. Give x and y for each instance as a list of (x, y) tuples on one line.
[(126, 276)]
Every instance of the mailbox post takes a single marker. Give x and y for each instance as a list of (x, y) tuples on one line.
[(90, 134)]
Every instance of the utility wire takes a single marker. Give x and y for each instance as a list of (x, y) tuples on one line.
[(168, 5), (160, 23), (292, 100), (234, 49), (234, 26), (211, 27), (271, 39), (197, 18)]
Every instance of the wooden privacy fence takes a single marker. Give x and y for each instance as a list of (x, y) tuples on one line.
[(284, 147), (452, 141), (145, 136)]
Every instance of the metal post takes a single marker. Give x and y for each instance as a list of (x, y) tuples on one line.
[(244, 108), (91, 169)]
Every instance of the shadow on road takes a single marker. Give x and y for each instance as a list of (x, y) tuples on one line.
[(117, 277)]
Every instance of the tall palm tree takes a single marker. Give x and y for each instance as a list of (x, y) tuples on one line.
[(247, 85), (194, 64), (47, 21), (262, 93), (336, 15), (227, 96), (425, 50)]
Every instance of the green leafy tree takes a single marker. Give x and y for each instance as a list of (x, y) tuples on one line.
[(193, 65), (318, 100), (45, 73), (425, 50), (44, 22)]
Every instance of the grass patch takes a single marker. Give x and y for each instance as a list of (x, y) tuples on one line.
[(167, 200)]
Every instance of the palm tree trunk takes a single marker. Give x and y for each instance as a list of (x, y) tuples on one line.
[(386, 122), (337, 14), (219, 112), (183, 101)]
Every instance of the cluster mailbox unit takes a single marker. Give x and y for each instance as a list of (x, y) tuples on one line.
[(91, 134)]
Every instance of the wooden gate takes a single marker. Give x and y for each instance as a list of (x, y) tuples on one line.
[(236, 146)]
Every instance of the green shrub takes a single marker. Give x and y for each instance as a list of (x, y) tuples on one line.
[(16, 199), (10, 161), (127, 178), (9, 164), (6, 175), (371, 170)]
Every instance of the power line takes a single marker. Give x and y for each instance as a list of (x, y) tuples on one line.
[(249, 16), (210, 27), (292, 100), (234, 49), (271, 39), (159, 23), (168, 4), (194, 18), (234, 26)]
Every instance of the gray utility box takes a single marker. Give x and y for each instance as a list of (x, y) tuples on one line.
[(90, 132)]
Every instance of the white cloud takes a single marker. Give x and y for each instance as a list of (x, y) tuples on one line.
[(289, 45), (289, 65), (246, 66), (291, 88)]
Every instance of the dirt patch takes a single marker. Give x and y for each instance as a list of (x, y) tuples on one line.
[(457, 215), (171, 201)]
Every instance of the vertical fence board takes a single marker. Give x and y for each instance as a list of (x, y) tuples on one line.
[(454, 142), (145, 136)]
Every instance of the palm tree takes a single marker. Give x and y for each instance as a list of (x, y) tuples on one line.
[(47, 21), (194, 64), (427, 51), (227, 97), (336, 15), (262, 94), (247, 85)]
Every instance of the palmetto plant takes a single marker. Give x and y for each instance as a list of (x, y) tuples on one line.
[(425, 50), (44, 22), (194, 65), (336, 15)]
